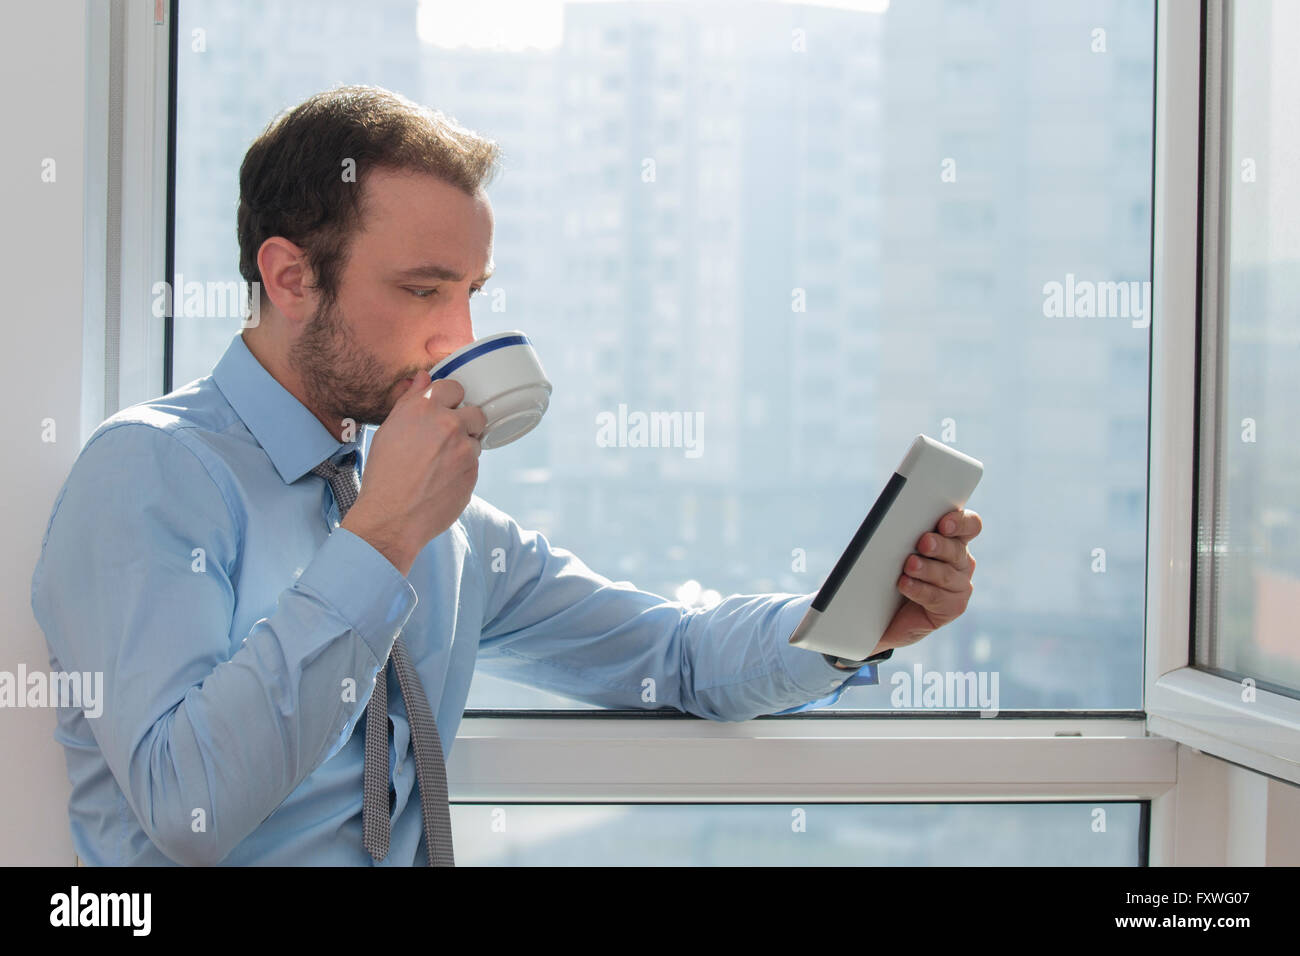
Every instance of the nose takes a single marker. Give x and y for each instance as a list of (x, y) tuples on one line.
[(455, 332)]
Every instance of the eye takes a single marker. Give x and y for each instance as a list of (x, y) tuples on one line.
[(475, 289), (422, 293)]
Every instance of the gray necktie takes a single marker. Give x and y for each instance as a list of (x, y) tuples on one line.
[(430, 772)]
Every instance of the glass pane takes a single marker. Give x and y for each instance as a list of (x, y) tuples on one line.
[(821, 834), (932, 216), (1255, 582), (238, 65)]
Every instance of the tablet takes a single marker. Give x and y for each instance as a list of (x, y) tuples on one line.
[(860, 597)]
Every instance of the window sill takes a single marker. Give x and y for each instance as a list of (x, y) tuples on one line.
[(1207, 712), (849, 760)]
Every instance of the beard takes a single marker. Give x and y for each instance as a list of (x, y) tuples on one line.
[(342, 380)]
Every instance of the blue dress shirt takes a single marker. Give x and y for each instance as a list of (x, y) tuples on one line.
[(194, 560)]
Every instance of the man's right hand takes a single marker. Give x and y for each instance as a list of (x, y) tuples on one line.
[(420, 471)]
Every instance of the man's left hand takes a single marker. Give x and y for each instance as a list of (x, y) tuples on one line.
[(936, 581)]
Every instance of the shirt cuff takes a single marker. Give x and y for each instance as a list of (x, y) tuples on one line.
[(810, 670), (362, 587), (873, 659)]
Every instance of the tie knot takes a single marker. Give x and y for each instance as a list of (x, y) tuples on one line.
[(343, 480), (327, 469)]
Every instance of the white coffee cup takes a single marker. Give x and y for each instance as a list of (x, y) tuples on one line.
[(502, 375)]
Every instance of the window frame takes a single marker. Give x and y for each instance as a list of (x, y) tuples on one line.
[(592, 756), (127, 240), (1185, 702)]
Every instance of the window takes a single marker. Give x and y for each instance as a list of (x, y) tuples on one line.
[(943, 223), (1250, 570), (1236, 694), (1057, 402), (881, 834), (966, 215)]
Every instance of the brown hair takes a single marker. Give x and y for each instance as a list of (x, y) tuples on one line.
[(292, 181)]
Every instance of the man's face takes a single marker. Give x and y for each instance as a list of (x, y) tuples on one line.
[(403, 296)]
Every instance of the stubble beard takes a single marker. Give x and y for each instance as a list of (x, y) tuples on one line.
[(340, 378)]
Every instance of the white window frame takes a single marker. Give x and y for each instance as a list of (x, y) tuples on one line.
[(1011, 758), (125, 237), (1185, 703)]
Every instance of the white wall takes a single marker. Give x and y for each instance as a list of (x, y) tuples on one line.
[(1221, 814), (42, 62)]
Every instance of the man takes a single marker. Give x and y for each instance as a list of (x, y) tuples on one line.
[(207, 556)]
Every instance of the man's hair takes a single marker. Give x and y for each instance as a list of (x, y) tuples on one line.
[(294, 183)]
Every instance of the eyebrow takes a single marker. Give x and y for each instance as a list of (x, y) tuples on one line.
[(432, 270)]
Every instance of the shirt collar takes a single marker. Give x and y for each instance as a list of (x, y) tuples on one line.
[(291, 435)]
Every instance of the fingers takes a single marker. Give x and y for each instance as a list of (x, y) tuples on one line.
[(960, 524), (951, 550), (941, 603), (939, 573), (447, 392), (939, 577), (472, 419)]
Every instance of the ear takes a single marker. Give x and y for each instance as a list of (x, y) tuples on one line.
[(287, 279)]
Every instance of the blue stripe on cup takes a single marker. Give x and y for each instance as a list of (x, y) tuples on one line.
[(478, 350)]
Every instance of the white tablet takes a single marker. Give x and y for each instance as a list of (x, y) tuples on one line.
[(860, 597)]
